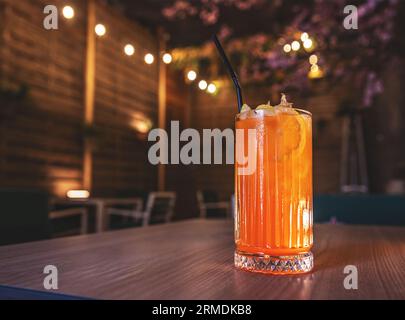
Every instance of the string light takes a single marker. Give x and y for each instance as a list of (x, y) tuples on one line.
[(167, 58), (191, 75), (295, 45), (287, 48), (315, 72), (308, 44), (129, 49), (304, 36), (68, 12), (149, 58), (313, 59), (203, 84), (212, 88), (100, 30)]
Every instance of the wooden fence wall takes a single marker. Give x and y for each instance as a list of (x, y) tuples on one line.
[(126, 97), (42, 134)]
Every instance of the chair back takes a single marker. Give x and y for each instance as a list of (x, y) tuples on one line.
[(210, 206), (159, 207), (203, 197), (23, 216)]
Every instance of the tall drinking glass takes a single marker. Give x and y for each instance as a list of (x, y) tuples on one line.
[(273, 193)]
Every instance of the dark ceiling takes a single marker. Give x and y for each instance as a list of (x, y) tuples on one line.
[(192, 31)]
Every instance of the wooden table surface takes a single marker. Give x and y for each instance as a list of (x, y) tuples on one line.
[(194, 260)]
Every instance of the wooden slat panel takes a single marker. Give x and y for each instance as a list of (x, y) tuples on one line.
[(126, 89), (41, 143)]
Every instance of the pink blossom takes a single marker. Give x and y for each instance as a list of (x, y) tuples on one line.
[(210, 15), (224, 32)]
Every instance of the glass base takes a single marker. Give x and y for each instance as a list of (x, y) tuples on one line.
[(296, 264)]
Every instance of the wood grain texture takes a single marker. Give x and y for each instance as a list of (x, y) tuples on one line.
[(194, 260)]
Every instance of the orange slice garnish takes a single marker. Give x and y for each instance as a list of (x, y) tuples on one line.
[(291, 135)]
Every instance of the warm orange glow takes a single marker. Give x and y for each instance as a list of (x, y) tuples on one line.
[(141, 125), (61, 186), (78, 194), (316, 72)]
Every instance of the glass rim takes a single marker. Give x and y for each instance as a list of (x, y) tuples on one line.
[(299, 110)]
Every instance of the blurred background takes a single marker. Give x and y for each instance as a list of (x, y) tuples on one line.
[(77, 102)]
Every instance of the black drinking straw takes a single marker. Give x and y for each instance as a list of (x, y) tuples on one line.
[(232, 73)]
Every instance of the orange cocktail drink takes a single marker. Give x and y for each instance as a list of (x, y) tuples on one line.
[(273, 225)]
